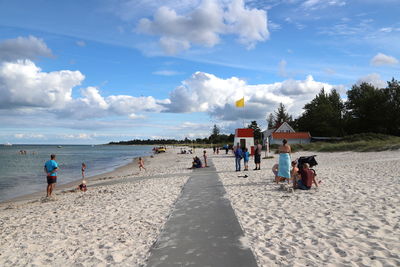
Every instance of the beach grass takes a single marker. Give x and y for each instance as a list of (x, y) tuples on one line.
[(366, 142)]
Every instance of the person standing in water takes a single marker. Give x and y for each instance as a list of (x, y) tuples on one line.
[(83, 168), (51, 168)]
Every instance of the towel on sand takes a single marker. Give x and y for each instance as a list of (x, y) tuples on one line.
[(284, 165)]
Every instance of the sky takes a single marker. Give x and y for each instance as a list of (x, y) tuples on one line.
[(95, 71)]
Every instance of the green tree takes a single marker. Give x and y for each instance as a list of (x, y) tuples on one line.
[(391, 116), (257, 131), (367, 107), (215, 135), (323, 116), (281, 116), (271, 121)]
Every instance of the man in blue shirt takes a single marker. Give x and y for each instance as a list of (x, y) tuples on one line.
[(51, 168), (238, 157)]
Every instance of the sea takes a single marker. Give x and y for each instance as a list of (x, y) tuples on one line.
[(23, 173)]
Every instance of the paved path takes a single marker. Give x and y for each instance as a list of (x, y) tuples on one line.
[(203, 229)]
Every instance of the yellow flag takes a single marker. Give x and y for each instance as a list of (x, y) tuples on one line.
[(240, 103)]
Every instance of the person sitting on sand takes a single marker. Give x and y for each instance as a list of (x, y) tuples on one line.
[(141, 164), (82, 186), (275, 169), (307, 178), (196, 163), (294, 173)]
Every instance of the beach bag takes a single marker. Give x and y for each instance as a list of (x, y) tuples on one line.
[(309, 159)]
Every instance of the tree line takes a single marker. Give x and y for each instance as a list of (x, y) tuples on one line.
[(368, 109)]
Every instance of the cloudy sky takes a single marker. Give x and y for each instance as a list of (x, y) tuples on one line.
[(94, 71)]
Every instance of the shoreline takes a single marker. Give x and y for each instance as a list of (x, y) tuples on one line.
[(115, 222), (73, 184)]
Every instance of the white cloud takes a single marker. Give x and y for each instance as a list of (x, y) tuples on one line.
[(82, 136), (167, 72), (134, 116), (205, 24), (132, 9), (317, 4), (282, 68), (249, 24), (93, 104), (80, 43), (29, 136), (205, 92), (382, 59), (23, 84), (23, 48), (374, 79)]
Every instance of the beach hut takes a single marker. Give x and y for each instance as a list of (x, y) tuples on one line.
[(285, 131), (245, 138), (292, 138)]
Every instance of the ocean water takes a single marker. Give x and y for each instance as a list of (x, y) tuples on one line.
[(24, 174)]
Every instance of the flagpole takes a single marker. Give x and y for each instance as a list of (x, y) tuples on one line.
[(243, 114)]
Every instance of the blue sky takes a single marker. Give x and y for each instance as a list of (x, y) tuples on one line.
[(90, 72)]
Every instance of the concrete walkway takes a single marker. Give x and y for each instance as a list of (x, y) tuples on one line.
[(203, 229)]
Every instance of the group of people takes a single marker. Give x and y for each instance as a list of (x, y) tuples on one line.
[(287, 170), (184, 151), (51, 169), (216, 149), (245, 155), (196, 163)]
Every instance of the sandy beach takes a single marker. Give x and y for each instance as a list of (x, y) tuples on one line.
[(109, 224), (352, 219)]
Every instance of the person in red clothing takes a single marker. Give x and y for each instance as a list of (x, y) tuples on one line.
[(307, 178)]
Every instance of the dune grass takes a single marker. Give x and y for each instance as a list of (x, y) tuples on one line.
[(360, 142)]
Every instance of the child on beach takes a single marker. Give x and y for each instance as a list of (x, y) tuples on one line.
[(141, 164), (294, 173), (205, 158), (82, 186), (83, 170), (246, 157)]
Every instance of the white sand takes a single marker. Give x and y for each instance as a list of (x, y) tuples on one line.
[(353, 219), (115, 224)]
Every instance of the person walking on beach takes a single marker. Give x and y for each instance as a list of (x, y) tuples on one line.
[(51, 168), (238, 157), (257, 156), (141, 164)]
